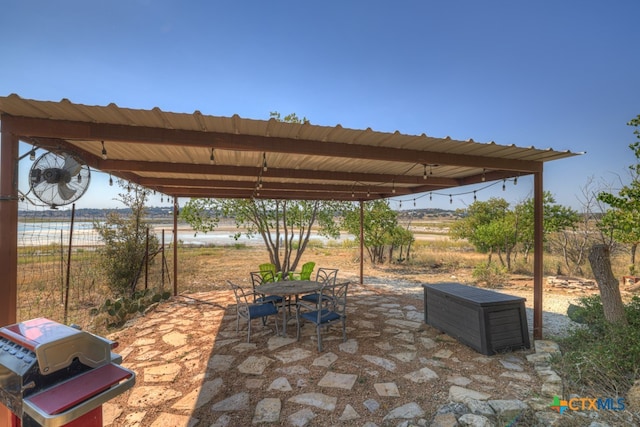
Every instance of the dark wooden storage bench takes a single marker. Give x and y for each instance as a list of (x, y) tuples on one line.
[(486, 321)]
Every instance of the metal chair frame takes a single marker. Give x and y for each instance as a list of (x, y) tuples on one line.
[(251, 311), (325, 312)]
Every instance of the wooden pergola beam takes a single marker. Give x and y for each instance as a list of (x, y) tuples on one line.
[(87, 131)]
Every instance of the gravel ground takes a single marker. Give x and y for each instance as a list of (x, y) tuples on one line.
[(555, 322)]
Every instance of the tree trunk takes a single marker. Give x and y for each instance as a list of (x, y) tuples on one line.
[(608, 284)]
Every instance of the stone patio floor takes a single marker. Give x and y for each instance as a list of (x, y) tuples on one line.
[(193, 370)]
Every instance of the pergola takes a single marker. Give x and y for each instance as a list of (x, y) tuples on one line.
[(195, 155)]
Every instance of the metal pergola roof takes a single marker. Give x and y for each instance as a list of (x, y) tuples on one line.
[(194, 155), (171, 153)]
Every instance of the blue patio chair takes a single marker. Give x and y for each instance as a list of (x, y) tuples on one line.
[(323, 316), (251, 311), (325, 276)]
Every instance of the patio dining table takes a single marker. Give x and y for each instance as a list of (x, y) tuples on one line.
[(288, 288)]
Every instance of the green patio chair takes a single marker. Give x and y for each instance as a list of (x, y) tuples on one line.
[(269, 268), (305, 272)]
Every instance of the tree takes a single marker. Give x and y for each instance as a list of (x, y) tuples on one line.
[(493, 228), (125, 238), (555, 218), (486, 226), (284, 225), (624, 218), (380, 225), (607, 283)]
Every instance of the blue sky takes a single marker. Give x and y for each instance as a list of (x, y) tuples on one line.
[(560, 74)]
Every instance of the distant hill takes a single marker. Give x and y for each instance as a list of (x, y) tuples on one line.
[(167, 212), (90, 214)]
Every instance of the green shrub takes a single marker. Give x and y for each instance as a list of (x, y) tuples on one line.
[(492, 275), (601, 358)]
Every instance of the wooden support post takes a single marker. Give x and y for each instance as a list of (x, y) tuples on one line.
[(8, 236), (538, 266), (175, 246)]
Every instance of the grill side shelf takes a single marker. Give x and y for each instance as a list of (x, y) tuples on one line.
[(64, 402)]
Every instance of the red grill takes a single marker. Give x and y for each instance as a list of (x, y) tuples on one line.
[(54, 375)]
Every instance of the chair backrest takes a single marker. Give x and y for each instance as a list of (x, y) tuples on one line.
[(307, 269), (241, 298), (260, 277), (327, 275), (268, 271), (337, 297)]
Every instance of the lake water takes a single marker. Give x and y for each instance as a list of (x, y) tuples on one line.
[(44, 233)]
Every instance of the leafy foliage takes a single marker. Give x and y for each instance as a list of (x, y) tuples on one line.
[(284, 225), (492, 227), (623, 220), (601, 357), (380, 228), (125, 239)]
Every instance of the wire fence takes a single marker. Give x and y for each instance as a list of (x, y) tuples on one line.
[(60, 274)]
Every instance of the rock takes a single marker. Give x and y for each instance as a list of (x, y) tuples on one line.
[(473, 420), (461, 394), (633, 397), (508, 408)]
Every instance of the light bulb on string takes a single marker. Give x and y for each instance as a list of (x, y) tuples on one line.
[(393, 189), (484, 178), (424, 175), (515, 181), (368, 194), (104, 152), (353, 194), (450, 199), (504, 185), (110, 181), (414, 203), (430, 197), (212, 158), (474, 196), (264, 162), (32, 154), (400, 205)]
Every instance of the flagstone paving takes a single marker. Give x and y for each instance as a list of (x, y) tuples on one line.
[(193, 370)]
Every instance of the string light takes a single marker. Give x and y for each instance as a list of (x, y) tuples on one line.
[(515, 181), (483, 175), (414, 203), (162, 199), (110, 181), (32, 154), (450, 199), (79, 178), (393, 189), (474, 196), (104, 152), (504, 185), (212, 159), (353, 194), (264, 162), (368, 194), (400, 207), (424, 175), (430, 197)]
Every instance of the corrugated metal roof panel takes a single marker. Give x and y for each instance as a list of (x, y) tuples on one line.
[(306, 151)]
